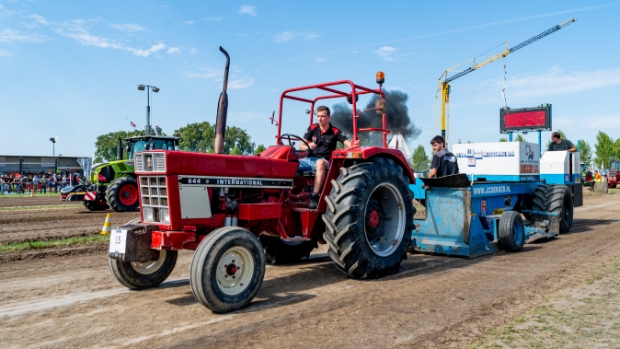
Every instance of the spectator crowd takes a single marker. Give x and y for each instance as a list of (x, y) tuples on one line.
[(32, 182)]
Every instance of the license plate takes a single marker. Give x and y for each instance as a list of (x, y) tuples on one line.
[(118, 240)]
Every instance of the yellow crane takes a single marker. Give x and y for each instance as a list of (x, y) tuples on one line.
[(444, 80)]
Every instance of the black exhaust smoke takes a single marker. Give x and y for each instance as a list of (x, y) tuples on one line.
[(222, 110), (398, 120)]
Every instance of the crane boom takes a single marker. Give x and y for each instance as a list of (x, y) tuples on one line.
[(445, 84)]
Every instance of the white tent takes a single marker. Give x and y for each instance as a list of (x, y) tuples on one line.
[(398, 142)]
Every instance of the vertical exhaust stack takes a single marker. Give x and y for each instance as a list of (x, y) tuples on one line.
[(222, 109)]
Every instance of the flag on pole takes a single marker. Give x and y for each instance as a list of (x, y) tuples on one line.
[(132, 124)]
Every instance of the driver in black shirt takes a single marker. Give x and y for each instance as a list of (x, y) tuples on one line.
[(322, 138), (444, 162)]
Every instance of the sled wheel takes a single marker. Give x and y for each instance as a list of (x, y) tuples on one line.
[(511, 231), (93, 206), (227, 269), (141, 275), (122, 194), (369, 218), (278, 251), (561, 202)]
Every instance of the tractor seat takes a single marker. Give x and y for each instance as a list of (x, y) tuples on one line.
[(305, 174)]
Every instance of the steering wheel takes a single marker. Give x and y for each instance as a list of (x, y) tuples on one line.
[(291, 137)]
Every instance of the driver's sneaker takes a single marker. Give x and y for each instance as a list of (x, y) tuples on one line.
[(314, 201)]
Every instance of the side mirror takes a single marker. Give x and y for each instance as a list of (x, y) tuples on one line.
[(380, 106)]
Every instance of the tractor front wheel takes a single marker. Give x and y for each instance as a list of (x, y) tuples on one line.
[(278, 251), (227, 269), (138, 275), (511, 231), (122, 194), (94, 206), (561, 203), (369, 218)]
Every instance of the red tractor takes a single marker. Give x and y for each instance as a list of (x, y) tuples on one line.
[(240, 212), (613, 175)]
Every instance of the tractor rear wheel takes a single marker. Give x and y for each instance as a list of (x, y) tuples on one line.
[(278, 251), (541, 197), (369, 218), (227, 269), (561, 202), (511, 231), (122, 194), (138, 275), (94, 206)]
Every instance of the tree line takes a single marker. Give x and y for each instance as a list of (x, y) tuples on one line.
[(196, 137)]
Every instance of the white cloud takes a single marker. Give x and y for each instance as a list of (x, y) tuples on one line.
[(193, 50), (240, 83), (5, 54), (146, 53), (129, 27), (205, 73), (40, 19), (248, 10), (388, 53), (8, 35), (216, 73), (321, 59), (557, 82), (189, 22), (288, 35), (282, 37), (174, 50), (4, 11), (77, 31), (595, 122)]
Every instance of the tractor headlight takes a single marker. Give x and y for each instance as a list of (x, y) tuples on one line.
[(149, 214), (164, 213)]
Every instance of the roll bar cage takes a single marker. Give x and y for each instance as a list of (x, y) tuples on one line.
[(356, 90)]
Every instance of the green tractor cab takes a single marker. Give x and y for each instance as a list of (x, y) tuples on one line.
[(113, 184)]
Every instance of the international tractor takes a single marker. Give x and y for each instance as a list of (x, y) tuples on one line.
[(239, 212), (113, 184)]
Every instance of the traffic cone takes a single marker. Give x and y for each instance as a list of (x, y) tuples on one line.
[(107, 225)]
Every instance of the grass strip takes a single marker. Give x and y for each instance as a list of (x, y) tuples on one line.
[(36, 245), (21, 208), (585, 319), (27, 194)]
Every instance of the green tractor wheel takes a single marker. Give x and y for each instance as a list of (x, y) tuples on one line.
[(122, 194)]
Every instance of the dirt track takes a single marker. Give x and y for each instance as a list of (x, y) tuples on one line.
[(30, 223), (434, 301)]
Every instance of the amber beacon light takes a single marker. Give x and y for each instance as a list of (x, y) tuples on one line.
[(380, 78)]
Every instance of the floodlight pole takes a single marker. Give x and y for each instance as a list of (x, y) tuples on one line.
[(53, 140), (148, 89)]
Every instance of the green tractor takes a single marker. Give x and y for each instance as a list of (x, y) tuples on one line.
[(113, 184)]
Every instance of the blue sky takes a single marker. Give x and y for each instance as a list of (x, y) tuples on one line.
[(70, 68)]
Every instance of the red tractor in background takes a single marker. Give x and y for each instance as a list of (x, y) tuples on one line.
[(240, 212), (613, 175)]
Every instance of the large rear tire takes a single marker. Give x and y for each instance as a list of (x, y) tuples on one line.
[(138, 275), (227, 269), (561, 203), (511, 231), (94, 206), (122, 194), (369, 219), (278, 251)]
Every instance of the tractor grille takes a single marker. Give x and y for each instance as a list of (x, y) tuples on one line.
[(154, 194), (150, 162), (138, 163)]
